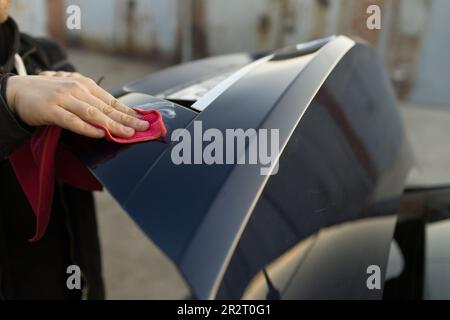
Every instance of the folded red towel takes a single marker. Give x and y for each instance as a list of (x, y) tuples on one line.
[(42, 159)]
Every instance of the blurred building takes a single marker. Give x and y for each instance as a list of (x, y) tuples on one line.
[(414, 39)]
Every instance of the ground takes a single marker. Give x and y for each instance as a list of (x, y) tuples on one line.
[(428, 129), (135, 269)]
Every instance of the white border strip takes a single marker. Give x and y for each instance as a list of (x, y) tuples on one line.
[(214, 93)]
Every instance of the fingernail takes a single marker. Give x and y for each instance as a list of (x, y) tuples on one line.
[(101, 133), (142, 124), (128, 130)]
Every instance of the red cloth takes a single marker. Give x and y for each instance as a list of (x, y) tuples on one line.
[(42, 159)]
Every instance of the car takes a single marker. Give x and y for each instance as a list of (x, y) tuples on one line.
[(327, 225)]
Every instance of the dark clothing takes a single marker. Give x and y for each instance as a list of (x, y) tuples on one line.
[(9, 44), (38, 270)]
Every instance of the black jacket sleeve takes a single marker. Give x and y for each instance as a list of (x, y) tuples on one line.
[(13, 132), (47, 55)]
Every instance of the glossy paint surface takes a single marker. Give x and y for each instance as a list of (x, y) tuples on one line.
[(330, 212), (308, 232), (120, 167)]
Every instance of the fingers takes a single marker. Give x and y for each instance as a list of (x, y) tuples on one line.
[(72, 122), (116, 115), (99, 92), (61, 74), (116, 104), (89, 102), (111, 112), (106, 97), (94, 88), (47, 73), (89, 113)]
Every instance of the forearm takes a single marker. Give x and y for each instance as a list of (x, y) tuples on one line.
[(13, 132)]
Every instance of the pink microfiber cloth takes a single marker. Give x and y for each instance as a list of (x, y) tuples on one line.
[(42, 159)]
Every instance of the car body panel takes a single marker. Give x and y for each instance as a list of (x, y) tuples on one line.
[(120, 167), (168, 80), (343, 172), (202, 216)]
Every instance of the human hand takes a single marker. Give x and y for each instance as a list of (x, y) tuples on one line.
[(70, 101)]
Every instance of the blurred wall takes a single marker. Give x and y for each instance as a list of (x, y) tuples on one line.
[(433, 75), (180, 30), (31, 15), (138, 26)]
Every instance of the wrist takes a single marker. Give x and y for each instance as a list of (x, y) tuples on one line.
[(9, 87)]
